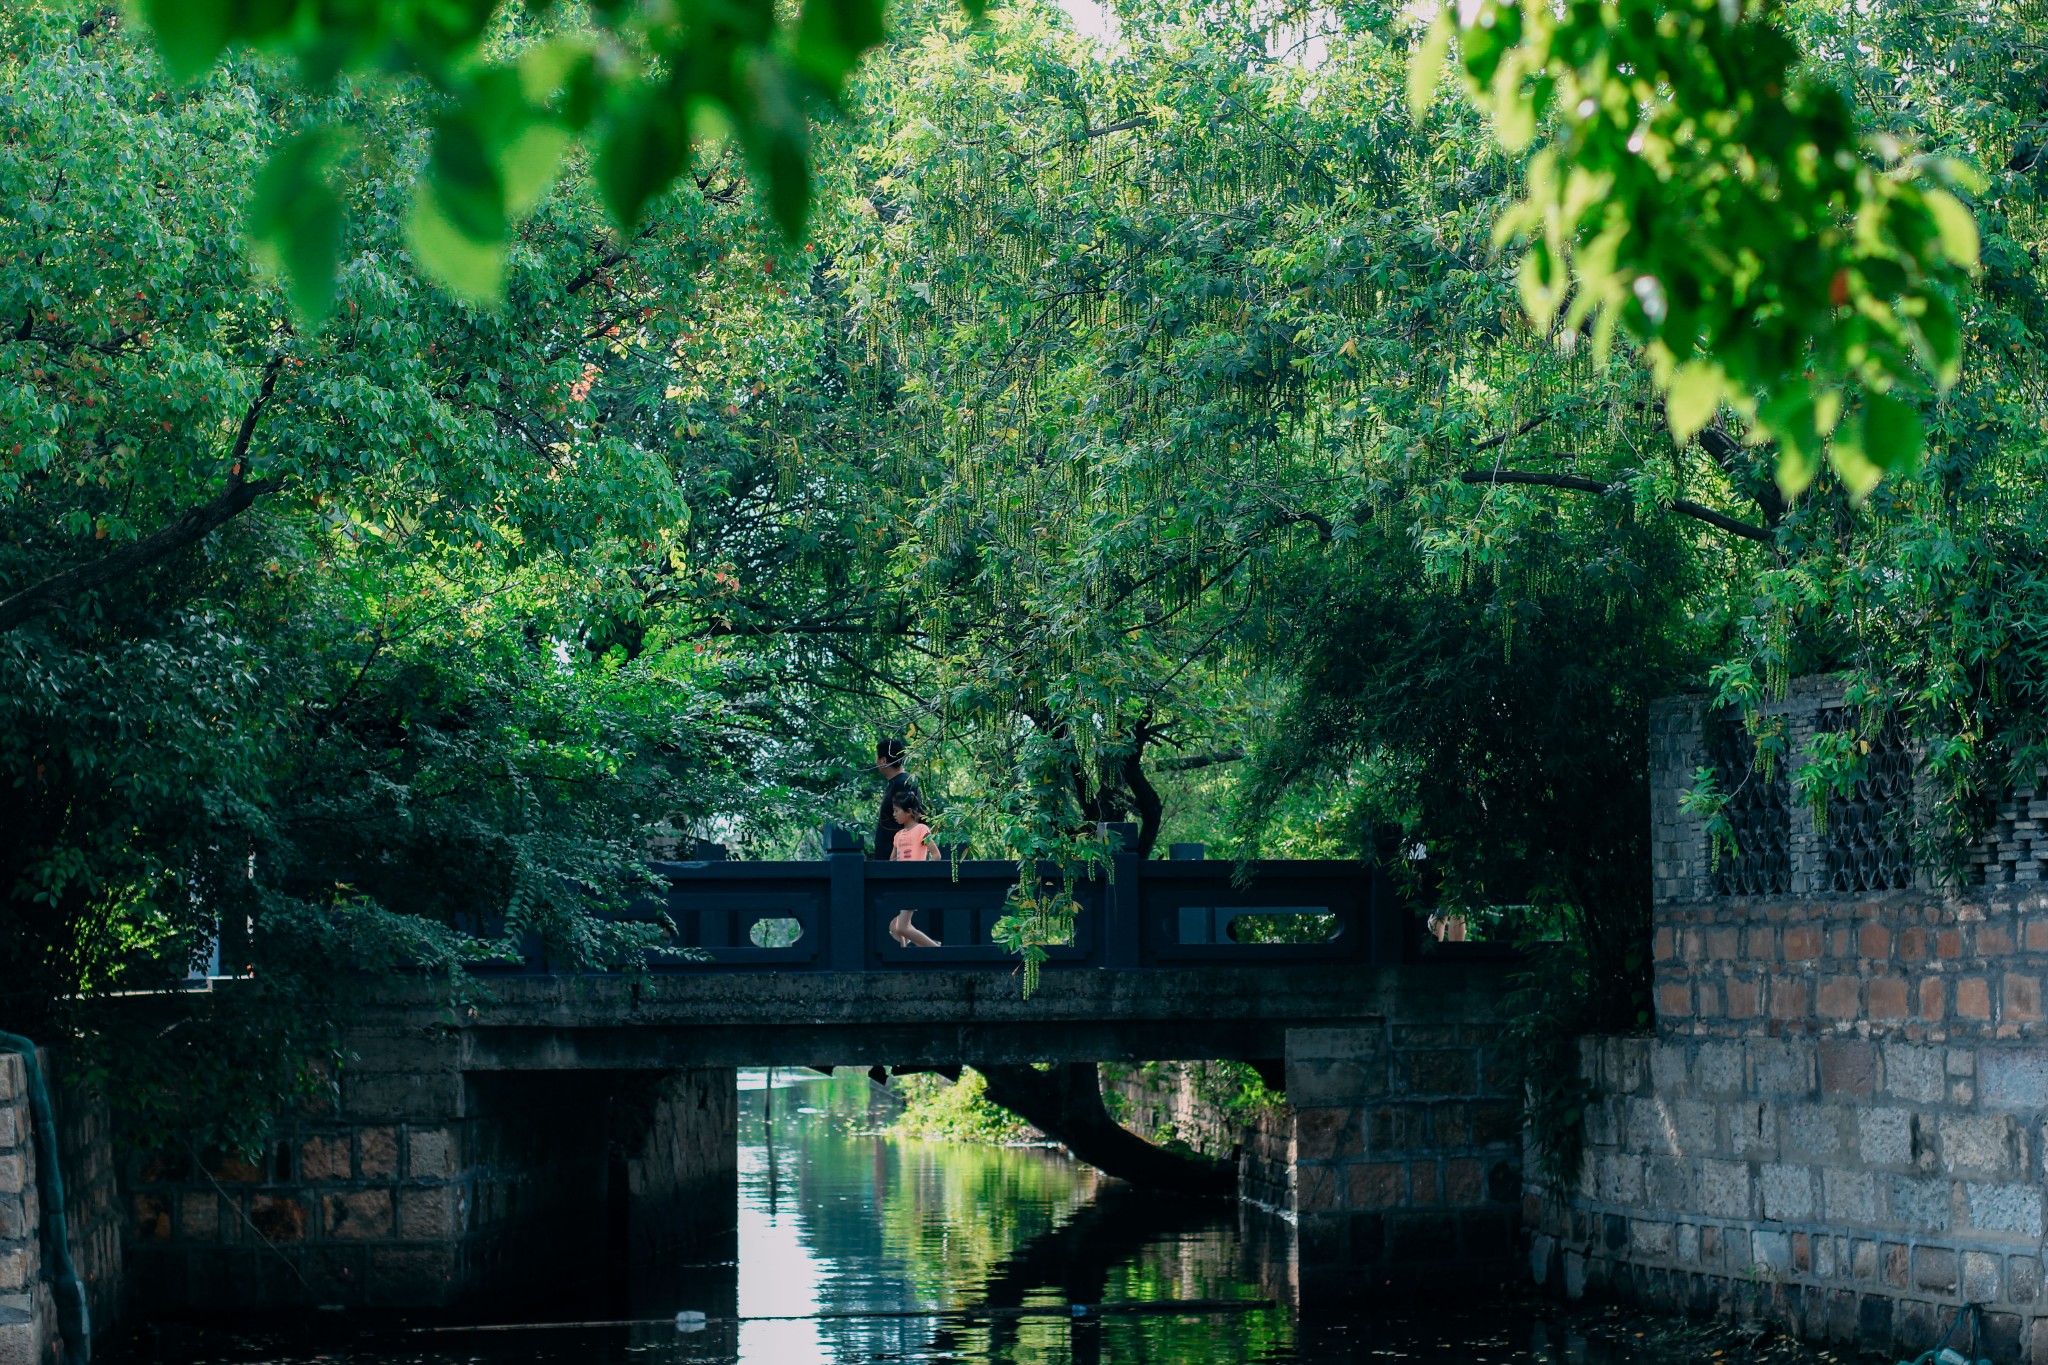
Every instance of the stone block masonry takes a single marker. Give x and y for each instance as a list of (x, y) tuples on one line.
[(423, 1186), (1840, 1123), (29, 1331), (1407, 1160)]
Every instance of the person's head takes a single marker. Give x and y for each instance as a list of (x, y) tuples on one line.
[(909, 804), (889, 755)]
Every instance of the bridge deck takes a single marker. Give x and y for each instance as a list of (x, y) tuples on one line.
[(941, 1016)]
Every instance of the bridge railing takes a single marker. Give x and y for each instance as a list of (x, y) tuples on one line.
[(832, 914)]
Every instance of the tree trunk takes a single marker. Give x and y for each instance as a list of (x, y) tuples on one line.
[(1066, 1103)]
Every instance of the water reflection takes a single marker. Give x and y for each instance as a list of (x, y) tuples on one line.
[(839, 1219), (855, 1245)]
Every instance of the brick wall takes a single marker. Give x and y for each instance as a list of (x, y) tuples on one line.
[(1162, 1101), (423, 1185), (29, 1332), (1407, 1156), (1840, 1123)]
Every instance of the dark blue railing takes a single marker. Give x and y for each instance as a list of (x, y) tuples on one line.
[(832, 914)]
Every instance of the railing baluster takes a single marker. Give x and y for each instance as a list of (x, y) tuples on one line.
[(846, 946)]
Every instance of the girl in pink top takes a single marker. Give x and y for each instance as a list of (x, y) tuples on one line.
[(913, 845)]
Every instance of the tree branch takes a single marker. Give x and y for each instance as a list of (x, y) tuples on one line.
[(195, 525), (1683, 506), (1189, 762)]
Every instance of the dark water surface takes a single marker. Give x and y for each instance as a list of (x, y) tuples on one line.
[(856, 1245)]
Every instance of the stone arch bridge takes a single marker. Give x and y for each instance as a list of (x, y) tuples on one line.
[(590, 1120)]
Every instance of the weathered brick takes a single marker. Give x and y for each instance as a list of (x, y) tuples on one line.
[(324, 1158), (1884, 1137), (1980, 1277), (280, 1218), (2036, 935), (1931, 999), (428, 1214), (1849, 1197), (1948, 943), (1329, 1082), (1786, 1191), (1874, 940), (13, 1171), (357, 1213), (2023, 1278), (1743, 998), (199, 1216), (2019, 998), (377, 1153), (1723, 944), (430, 1153), (1995, 939), (1922, 1205), (1886, 998), (1934, 1268), (1674, 1000), (1984, 1145), (1914, 1072), (2005, 1208), (1718, 1069), (1912, 943), (2012, 1078), (1791, 997), (1376, 1185), (1973, 998), (1322, 1131), (1649, 1238), (1848, 1066), (1802, 942), (1839, 997), (1724, 1189)]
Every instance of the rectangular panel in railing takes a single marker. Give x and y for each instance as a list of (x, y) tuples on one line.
[(1287, 911), (961, 912), (756, 915)]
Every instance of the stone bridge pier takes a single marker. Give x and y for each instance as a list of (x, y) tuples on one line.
[(547, 1153)]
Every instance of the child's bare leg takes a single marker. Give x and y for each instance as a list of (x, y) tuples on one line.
[(898, 927), (915, 936)]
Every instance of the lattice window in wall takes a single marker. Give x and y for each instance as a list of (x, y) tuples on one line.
[(1869, 836), (1759, 811)]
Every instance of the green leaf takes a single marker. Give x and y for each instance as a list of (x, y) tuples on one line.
[(470, 269), (189, 33), (1788, 419), (1892, 435), (832, 34), (530, 163), (1690, 401), (467, 186), (1941, 339), (1958, 229), (1853, 466), (295, 219), (640, 152), (1426, 64)]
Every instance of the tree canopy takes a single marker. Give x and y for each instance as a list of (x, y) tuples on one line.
[(1157, 422)]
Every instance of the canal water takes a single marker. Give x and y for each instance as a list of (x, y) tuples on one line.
[(856, 1244)]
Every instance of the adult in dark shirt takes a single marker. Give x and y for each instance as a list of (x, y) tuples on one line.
[(889, 755)]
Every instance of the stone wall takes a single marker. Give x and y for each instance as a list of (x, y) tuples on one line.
[(1176, 1101), (1407, 1156), (29, 1333), (1840, 1123), (424, 1185)]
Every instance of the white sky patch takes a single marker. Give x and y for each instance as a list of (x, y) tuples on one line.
[(1092, 19)]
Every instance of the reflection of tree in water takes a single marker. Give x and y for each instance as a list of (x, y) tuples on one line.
[(1127, 1245), (901, 1223)]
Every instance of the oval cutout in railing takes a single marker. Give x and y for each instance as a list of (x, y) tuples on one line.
[(1291, 926), (776, 933)]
